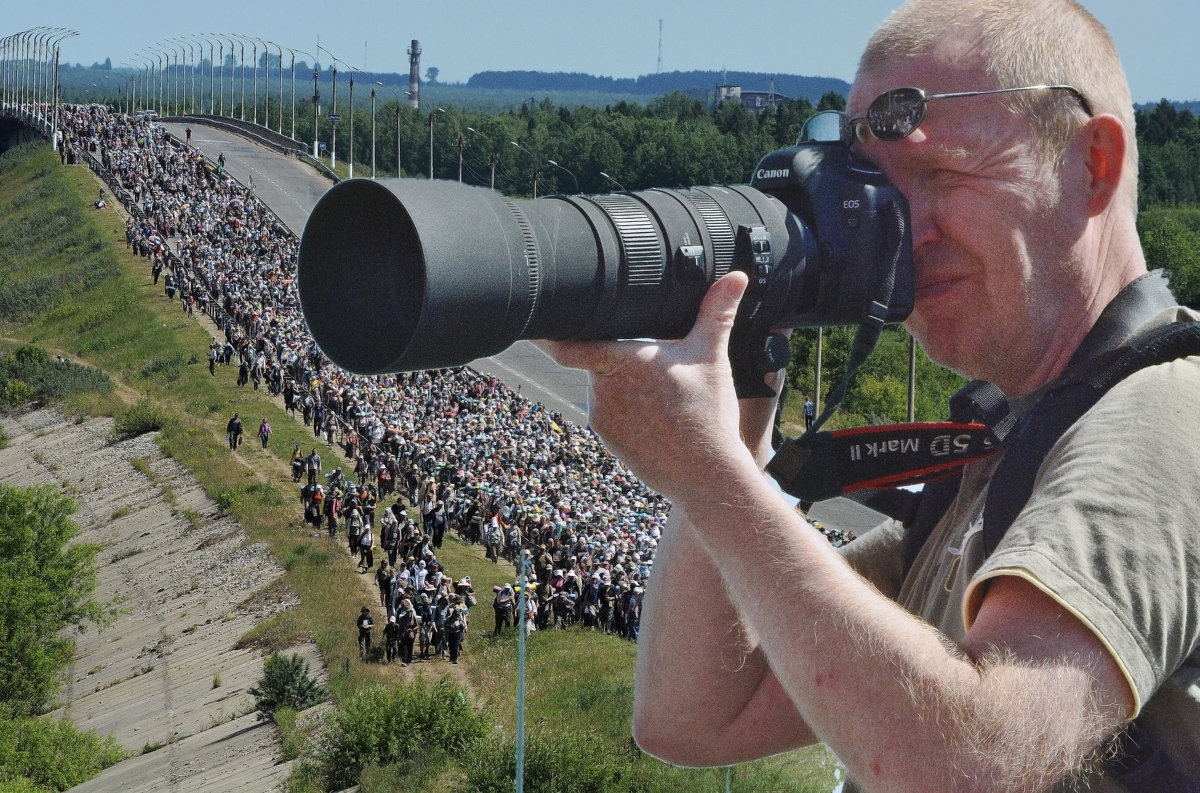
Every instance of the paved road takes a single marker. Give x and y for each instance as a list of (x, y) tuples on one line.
[(292, 188)]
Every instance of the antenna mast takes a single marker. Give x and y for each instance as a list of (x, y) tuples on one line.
[(659, 46)]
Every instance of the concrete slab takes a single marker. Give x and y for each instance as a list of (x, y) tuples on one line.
[(165, 676)]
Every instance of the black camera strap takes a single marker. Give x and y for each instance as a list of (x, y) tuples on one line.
[(822, 465)]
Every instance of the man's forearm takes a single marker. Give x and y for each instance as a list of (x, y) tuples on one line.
[(902, 707), (698, 669)]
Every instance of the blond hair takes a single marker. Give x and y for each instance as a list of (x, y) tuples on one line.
[(1024, 42)]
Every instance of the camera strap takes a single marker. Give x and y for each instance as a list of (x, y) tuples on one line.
[(822, 465)]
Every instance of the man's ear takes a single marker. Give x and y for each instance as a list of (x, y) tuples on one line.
[(1103, 142)]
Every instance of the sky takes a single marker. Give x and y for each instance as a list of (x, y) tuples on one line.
[(614, 38)]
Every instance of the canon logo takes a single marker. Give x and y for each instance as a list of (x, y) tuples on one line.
[(773, 173)]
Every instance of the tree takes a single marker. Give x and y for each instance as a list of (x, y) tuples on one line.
[(286, 683), (431, 75), (46, 585)]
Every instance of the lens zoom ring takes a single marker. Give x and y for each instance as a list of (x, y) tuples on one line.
[(639, 243), (531, 260), (719, 230)]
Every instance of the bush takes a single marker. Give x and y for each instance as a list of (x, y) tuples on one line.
[(420, 723), (554, 763), (43, 755), (30, 373), (143, 417), (286, 683)]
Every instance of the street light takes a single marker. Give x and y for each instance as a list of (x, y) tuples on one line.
[(316, 100), (302, 52), (280, 114), (534, 160), (614, 181), (54, 94), (568, 170), (176, 50), (373, 131), (491, 157), (242, 69), (397, 95)]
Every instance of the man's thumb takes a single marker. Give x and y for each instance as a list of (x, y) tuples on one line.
[(719, 308)]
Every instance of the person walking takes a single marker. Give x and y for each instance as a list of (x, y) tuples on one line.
[(264, 432), (233, 431), (365, 624)]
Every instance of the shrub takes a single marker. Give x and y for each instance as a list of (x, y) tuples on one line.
[(378, 726), (286, 683), (143, 417), (554, 763), (41, 755)]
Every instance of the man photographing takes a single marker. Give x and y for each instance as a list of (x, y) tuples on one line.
[(1067, 657)]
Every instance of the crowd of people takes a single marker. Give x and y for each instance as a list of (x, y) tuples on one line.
[(459, 448)]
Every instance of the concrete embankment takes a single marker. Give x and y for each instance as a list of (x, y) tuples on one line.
[(165, 677)]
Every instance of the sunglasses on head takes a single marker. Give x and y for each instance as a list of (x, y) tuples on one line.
[(896, 114)]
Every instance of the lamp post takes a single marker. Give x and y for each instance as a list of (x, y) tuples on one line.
[(534, 160), (333, 124), (280, 103), (54, 91), (372, 133), (316, 100), (212, 84), (254, 81), (173, 93), (568, 170), (242, 69), (397, 96), (232, 72), (334, 118), (431, 145), (620, 186), (191, 82), (491, 158)]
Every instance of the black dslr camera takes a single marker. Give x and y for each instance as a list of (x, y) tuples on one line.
[(405, 274)]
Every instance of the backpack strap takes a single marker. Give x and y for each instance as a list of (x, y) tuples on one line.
[(1012, 483)]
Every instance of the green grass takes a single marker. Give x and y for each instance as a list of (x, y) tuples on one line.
[(579, 682)]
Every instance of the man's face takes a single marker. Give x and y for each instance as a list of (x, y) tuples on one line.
[(992, 245)]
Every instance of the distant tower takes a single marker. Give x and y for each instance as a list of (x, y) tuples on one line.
[(659, 46), (414, 74)]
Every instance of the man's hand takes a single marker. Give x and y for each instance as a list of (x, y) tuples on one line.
[(668, 409)]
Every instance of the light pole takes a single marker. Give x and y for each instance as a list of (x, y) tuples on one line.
[(280, 67), (350, 108), (491, 157), (212, 76), (333, 122), (54, 94), (316, 100), (232, 72), (568, 170), (191, 83), (373, 132), (302, 52), (175, 50), (620, 186), (242, 69), (254, 82), (534, 160)]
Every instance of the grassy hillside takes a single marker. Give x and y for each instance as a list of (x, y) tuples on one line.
[(68, 284)]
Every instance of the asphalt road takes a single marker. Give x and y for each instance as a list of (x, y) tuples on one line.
[(292, 188)]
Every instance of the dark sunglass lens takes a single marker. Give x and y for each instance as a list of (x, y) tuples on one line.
[(895, 114)]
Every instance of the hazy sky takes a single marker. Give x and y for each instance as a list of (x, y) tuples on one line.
[(617, 38)]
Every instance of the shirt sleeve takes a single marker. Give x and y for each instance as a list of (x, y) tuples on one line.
[(1109, 531)]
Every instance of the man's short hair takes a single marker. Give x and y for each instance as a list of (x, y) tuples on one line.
[(1025, 43)]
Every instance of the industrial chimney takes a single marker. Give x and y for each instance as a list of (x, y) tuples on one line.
[(414, 74)]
